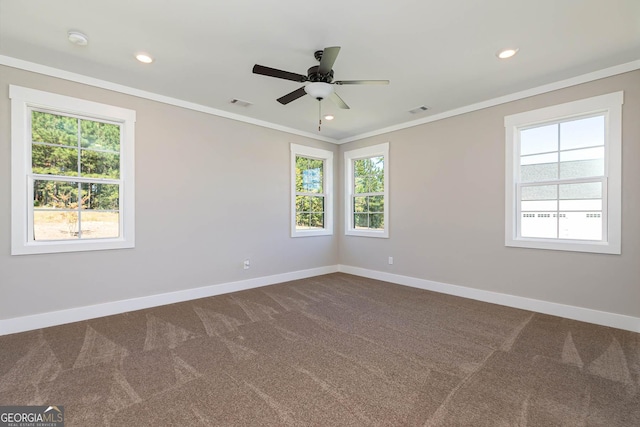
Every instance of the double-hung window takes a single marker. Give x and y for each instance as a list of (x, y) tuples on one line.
[(367, 191), (311, 191), (72, 174), (563, 176)]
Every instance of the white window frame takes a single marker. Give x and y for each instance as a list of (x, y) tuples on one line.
[(380, 150), (611, 106), (23, 101), (327, 186)]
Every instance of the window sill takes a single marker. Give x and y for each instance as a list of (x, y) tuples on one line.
[(362, 233), (311, 233), (565, 245), (70, 246)]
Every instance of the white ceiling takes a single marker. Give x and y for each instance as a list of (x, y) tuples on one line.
[(436, 53)]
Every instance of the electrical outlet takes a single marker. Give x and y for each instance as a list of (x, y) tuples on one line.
[(390, 260), (247, 264)]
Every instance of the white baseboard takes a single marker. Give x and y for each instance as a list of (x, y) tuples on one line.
[(619, 321), (54, 318)]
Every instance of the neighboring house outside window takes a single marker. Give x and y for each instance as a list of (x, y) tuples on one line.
[(72, 174), (563, 176), (367, 191), (311, 191)]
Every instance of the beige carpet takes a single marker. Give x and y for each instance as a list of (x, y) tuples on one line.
[(335, 350)]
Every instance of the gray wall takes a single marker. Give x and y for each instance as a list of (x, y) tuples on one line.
[(447, 185), (209, 193), (447, 210)]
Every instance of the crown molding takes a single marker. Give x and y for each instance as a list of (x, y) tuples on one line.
[(573, 81), (104, 84)]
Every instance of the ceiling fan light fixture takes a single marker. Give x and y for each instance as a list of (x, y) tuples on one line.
[(319, 90)]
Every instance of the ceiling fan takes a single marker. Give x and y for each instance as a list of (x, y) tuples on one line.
[(320, 78)]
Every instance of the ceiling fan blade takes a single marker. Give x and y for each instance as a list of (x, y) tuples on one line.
[(279, 74), (328, 59), (338, 101), (362, 82), (292, 96)]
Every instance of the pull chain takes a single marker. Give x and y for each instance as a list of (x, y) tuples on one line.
[(319, 113)]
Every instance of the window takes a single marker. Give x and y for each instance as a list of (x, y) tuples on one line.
[(72, 174), (311, 191), (367, 191), (563, 169)]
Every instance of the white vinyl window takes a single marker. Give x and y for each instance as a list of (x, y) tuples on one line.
[(563, 176), (367, 191), (311, 191), (72, 174)]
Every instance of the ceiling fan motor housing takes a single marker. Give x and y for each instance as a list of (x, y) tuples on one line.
[(314, 76)]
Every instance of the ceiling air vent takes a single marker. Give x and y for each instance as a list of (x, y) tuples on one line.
[(240, 102), (419, 109)]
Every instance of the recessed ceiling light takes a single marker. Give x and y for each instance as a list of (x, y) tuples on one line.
[(329, 117), (506, 53), (77, 38), (143, 57)]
